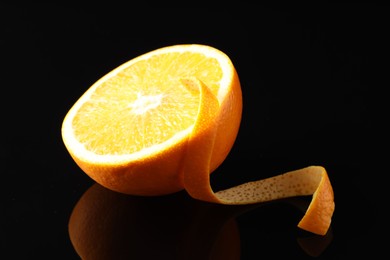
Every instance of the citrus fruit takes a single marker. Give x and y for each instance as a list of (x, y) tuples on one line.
[(129, 131), (165, 120)]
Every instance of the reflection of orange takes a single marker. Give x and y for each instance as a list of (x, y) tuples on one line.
[(165, 120), (109, 225), (228, 236)]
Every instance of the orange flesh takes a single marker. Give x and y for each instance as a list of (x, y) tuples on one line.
[(99, 120)]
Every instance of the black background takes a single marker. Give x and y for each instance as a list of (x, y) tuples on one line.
[(313, 82)]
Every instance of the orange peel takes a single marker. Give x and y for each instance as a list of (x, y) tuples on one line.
[(312, 180)]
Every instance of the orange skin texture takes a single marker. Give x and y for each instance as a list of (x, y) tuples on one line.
[(151, 176), (319, 214)]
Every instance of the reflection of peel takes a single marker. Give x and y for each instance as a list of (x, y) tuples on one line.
[(313, 245), (109, 225)]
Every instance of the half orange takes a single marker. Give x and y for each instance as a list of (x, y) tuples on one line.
[(164, 121)]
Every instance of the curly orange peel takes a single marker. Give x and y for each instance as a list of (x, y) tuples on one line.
[(312, 180)]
